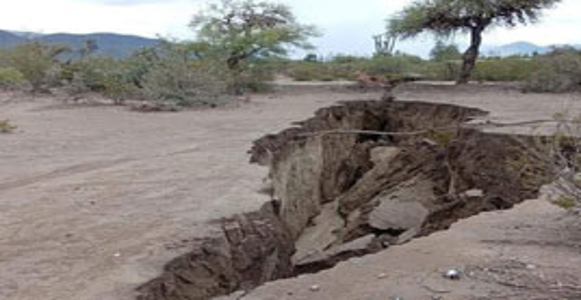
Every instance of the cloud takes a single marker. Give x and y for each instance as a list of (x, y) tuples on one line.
[(149, 18), (130, 2)]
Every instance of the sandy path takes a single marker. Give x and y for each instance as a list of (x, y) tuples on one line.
[(93, 200)]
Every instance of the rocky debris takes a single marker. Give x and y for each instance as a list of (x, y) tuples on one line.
[(321, 235), (392, 188), (383, 154), (252, 249), (402, 209), (315, 288), (330, 257), (397, 216), (474, 193)]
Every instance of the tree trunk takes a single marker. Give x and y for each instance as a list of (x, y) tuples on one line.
[(233, 63), (471, 55)]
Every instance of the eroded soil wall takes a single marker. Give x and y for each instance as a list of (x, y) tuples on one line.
[(339, 192)]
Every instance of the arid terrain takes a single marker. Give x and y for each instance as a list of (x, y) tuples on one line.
[(95, 199)]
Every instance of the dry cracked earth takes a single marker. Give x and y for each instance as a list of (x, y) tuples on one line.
[(95, 200)]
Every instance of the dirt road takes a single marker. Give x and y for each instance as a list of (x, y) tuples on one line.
[(95, 199)]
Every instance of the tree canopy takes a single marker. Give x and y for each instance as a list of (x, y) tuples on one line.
[(244, 29), (445, 52), (446, 17)]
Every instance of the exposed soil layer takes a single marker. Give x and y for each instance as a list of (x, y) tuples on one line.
[(252, 249), (339, 193)]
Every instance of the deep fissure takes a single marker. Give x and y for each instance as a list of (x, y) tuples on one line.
[(339, 196)]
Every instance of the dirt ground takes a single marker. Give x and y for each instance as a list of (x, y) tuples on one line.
[(530, 252), (95, 199)]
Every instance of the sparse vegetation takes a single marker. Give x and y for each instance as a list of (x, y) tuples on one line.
[(509, 69), (560, 154), (443, 52), (242, 44), (7, 127), (36, 62), (175, 83), (566, 203), (558, 71), (107, 76), (11, 78)]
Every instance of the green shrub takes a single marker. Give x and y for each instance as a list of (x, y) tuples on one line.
[(254, 77), (183, 83), (566, 202), (402, 65), (311, 71), (443, 70), (6, 126), (36, 62), (445, 52), (558, 71), (106, 76), (347, 68), (10, 77), (505, 69)]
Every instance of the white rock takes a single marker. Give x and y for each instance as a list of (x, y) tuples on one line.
[(474, 193)]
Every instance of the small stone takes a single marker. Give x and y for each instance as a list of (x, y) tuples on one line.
[(382, 275), (315, 288), (452, 274), (531, 267), (474, 193), (117, 254)]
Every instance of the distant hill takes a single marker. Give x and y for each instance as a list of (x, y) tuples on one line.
[(26, 34), (520, 48), (8, 39), (110, 44)]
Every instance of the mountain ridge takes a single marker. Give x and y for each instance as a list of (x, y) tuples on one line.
[(521, 48), (109, 44)]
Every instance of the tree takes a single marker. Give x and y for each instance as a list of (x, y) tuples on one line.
[(90, 47), (442, 52), (240, 30), (445, 17)]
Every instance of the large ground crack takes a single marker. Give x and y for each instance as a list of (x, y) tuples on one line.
[(337, 196)]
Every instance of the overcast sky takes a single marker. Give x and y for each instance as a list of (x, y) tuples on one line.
[(347, 24)]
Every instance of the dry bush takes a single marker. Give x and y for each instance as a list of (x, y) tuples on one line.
[(558, 71), (36, 62), (11, 78), (106, 76), (180, 83), (7, 127), (561, 154)]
